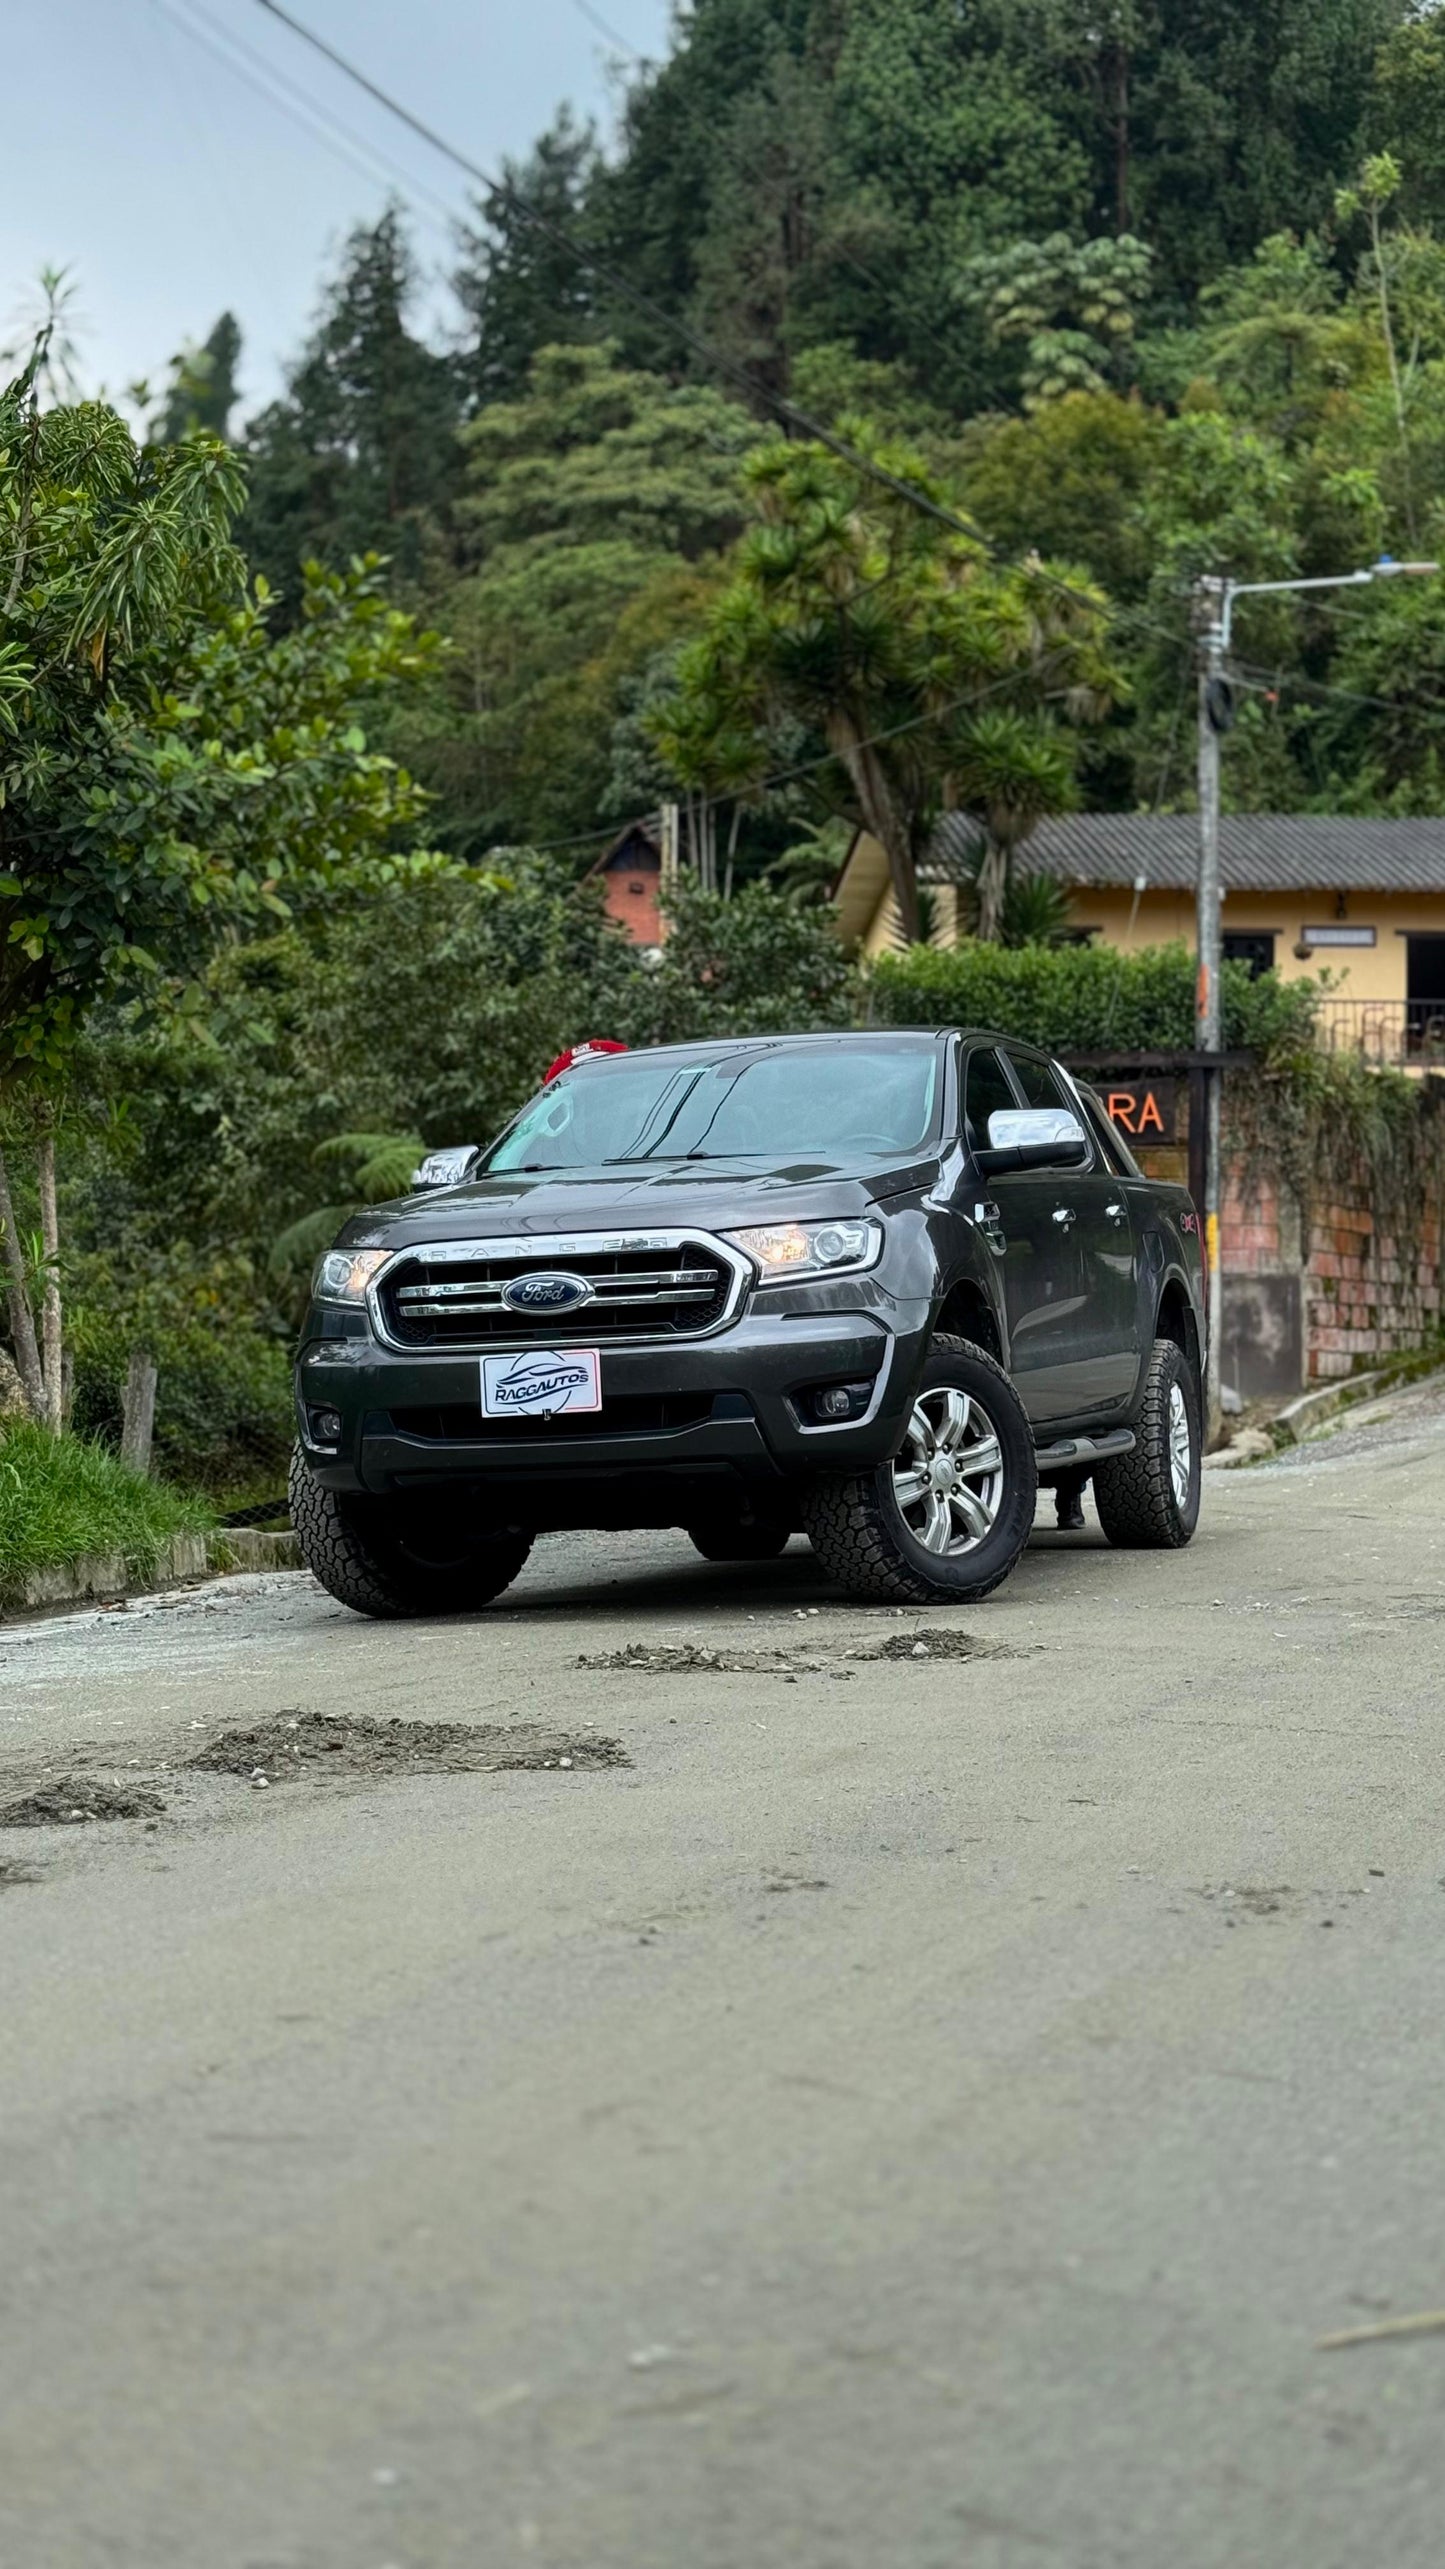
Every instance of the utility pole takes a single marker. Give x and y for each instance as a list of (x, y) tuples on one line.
[(1211, 610), (1214, 603)]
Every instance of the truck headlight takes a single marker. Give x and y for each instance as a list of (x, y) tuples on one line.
[(786, 1249), (343, 1275)]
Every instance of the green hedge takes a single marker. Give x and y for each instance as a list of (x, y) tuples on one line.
[(62, 1497), (1080, 999)]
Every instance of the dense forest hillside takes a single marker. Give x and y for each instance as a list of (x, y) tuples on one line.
[(1146, 289)]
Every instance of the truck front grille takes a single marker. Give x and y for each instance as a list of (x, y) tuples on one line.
[(451, 1294)]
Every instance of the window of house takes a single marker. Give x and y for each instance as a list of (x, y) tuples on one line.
[(1255, 949)]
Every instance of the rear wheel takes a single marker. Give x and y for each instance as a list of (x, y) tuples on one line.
[(387, 1558), (736, 1539), (1148, 1501), (945, 1521)]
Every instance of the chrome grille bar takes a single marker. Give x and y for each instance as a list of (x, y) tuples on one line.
[(419, 1301), (660, 1302), (618, 1288)]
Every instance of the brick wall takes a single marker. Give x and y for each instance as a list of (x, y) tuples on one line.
[(1359, 1299)]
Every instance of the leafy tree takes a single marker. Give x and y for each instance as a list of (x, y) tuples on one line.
[(1406, 112), (520, 288), (168, 769), (591, 511), (1073, 305), (203, 386), (1068, 481), (867, 621), (360, 454)]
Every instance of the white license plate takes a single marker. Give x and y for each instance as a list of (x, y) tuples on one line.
[(542, 1382)]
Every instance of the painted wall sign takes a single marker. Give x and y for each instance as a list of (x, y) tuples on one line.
[(1145, 1110)]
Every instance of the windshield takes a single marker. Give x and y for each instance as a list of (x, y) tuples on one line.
[(838, 1102)]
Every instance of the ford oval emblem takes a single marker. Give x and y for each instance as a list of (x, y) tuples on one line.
[(546, 1293)]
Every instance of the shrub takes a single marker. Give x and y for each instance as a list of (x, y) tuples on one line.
[(1084, 998), (62, 1497)]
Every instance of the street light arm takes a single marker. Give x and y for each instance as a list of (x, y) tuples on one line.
[(1385, 569)]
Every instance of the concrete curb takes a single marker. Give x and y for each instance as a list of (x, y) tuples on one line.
[(101, 1578), (244, 1547), (1296, 1422)]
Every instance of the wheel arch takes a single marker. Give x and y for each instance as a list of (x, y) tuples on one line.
[(967, 1312), (1176, 1321)]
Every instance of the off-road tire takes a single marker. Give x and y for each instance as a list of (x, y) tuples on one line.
[(721, 1541), (359, 1550), (855, 1528), (1134, 1493)]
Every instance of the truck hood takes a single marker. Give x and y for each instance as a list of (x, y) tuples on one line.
[(663, 1195)]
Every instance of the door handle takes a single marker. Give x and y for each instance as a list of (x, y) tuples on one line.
[(1115, 1212), (1065, 1216)]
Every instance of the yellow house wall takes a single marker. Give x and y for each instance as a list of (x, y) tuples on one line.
[(1357, 972)]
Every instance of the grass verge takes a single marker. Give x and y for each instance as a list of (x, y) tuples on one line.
[(62, 1497)]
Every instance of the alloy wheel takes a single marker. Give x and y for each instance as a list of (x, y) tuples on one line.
[(1181, 1448), (949, 1479)]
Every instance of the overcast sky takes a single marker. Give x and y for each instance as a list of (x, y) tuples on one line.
[(140, 150)]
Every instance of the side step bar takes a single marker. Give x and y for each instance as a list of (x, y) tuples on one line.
[(1073, 1450)]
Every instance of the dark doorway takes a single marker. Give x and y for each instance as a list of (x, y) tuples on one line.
[(1255, 950), (1425, 994)]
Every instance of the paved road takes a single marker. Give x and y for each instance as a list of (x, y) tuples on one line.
[(915, 2116)]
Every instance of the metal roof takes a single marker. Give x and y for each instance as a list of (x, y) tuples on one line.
[(1259, 851)]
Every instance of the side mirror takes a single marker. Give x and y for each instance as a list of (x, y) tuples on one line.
[(447, 1168), (1034, 1137)]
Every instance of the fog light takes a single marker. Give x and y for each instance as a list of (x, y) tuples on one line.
[(837, 1401), (326, 1426)]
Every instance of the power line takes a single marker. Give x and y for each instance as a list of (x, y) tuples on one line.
[(804, 767), (1260, 681), (315, 119), (595, 19)]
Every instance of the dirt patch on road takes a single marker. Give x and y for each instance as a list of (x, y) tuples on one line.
[(920, 1646), (690, 1658), (69, 1800), (297, 1744)]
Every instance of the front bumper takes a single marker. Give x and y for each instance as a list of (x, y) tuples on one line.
[(718, 1411)]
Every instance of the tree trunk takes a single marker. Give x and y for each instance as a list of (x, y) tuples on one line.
[(992, 891), (732, 850), (882, 816), (1396, 386), (51, 1347), (138, 1415), (22, 1318), (1121, 137)]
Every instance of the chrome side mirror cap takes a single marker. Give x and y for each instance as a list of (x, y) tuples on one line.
[(447, 1168), (1023, 1128), (1033, 1137)]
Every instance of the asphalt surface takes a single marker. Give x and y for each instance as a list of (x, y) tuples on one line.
[(923, 2113)]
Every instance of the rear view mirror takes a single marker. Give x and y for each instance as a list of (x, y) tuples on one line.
[(1033, 1137), (447, 1168)]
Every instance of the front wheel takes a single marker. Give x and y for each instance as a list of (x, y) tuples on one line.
[(945, 1521), (1148, 1501), (387, 1558)]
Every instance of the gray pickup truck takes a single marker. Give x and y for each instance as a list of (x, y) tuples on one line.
[(877, 1288)]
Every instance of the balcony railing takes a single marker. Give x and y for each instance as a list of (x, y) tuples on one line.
[(1397, 1034)]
